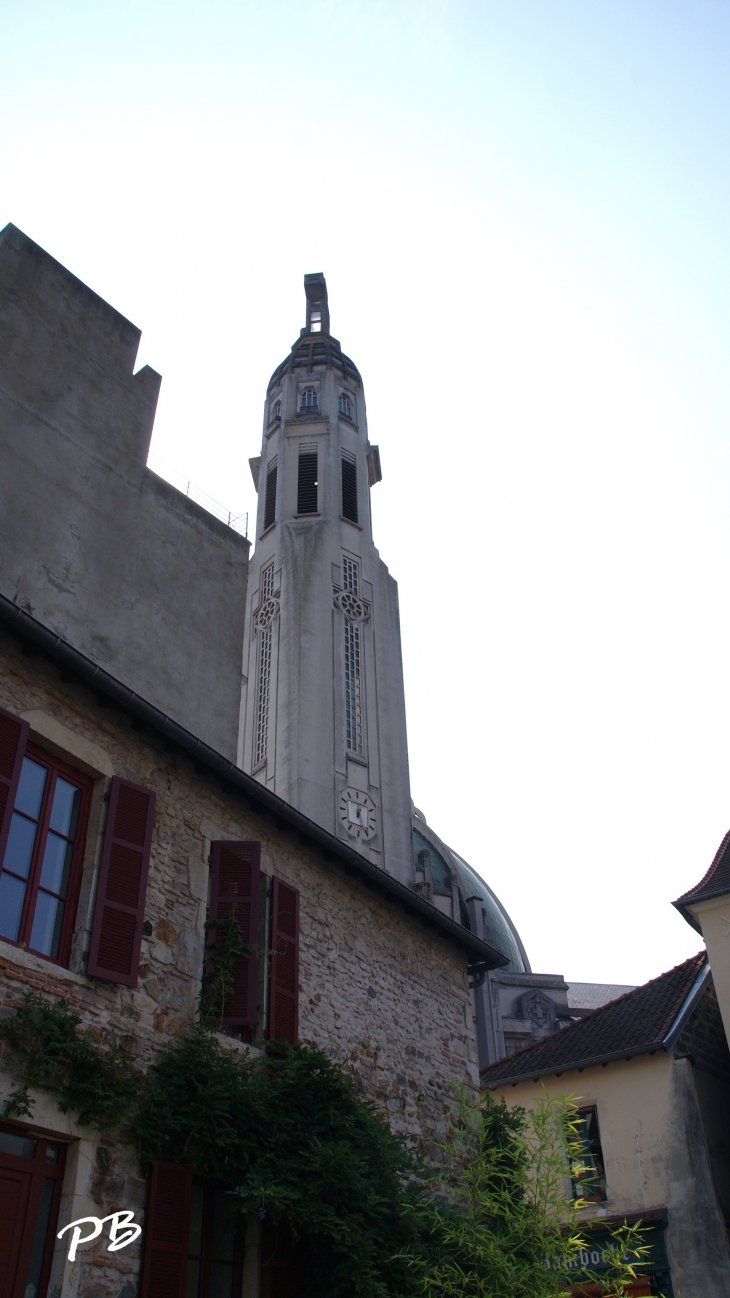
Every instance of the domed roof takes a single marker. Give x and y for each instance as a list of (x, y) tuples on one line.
[(446, 863), (314, 351)]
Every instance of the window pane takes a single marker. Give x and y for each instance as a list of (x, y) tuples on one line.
[(47, 923), (40, 1237), (30, 788), (65, 810), (17, 1145), (195, 1244), (12, 896), (193, 1278), (57, 860), (20, 845), (221, 1280), (52, 1152), (224, 1227)]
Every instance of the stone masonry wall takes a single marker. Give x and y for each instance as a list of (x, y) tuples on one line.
[(377, 988)]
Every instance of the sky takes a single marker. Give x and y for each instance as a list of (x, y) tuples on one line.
[(522, 211)]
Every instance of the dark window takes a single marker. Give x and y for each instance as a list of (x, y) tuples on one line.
[(309, 399), (349, 490), (588, 1171), (31, 1173), (43, 858), (214, 1244), (235, 874), (345, 406), (284, 976), (277, 410), (307, 483), (270, 504)]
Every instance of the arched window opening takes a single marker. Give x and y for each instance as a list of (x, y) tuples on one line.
[(309, 399), (276, 413), (345, 405)]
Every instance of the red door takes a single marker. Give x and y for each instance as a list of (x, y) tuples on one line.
[(14, 1193)]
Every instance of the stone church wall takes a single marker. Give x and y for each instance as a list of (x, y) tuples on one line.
[(113, 559)]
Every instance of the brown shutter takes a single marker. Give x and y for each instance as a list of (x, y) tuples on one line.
[(235, 873), (284, 986), (13, 740), (166, 1233), (120, 897)]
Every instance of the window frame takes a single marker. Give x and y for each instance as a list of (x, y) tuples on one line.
[(57, 766), (598, 1176), (306, 407), (39, 1170), (205, 1257)]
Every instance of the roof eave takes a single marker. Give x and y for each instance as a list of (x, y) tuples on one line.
[(557, 1070), (29, 629)]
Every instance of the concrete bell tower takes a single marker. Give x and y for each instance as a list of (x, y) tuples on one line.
[(323, 712)]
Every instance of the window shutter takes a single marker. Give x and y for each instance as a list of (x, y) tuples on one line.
[(270, 499), (116, 935), (235, 874), (167, 1230), (284, 985), (13, 740), (307, 483), (349, 489)]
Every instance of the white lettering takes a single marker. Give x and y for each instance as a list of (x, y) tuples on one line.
[(122, 1231)]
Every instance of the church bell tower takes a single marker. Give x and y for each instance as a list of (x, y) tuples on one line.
[(323, 711)]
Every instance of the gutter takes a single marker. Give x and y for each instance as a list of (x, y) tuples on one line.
[(691, 999), (480, 954)]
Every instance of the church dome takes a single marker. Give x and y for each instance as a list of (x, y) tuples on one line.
[(449, 869), (314, 351)]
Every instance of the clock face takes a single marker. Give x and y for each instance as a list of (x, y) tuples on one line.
[(357, 814)]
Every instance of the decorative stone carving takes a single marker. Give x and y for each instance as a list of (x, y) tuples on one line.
[(354, 609), (538, 1008), (267, 612)]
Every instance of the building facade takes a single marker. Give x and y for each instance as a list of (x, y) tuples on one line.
[(650, 1073)]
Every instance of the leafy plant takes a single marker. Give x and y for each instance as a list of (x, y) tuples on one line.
[(505, 1221), (222, 950), (44, 1041)]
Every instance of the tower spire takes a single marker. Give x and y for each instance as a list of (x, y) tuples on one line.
[(318, 316)]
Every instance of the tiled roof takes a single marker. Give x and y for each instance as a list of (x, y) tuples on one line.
[(588, 996), (636, 1022), (714, 883)]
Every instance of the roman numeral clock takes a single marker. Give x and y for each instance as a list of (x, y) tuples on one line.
[(357, 814)]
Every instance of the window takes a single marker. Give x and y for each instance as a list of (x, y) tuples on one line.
[(215, 1253), (309, 399), (276, 412), (345, 406), (270, 501), (349, 488), (588, 1171), (315, 318), (31, 1173), (43, 858), (263, 696), (307, 482)]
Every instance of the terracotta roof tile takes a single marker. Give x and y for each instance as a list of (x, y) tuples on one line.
[(714, 883), (636, 1022)]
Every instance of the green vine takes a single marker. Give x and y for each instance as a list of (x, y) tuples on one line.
[(44, 1042), (221, 953)]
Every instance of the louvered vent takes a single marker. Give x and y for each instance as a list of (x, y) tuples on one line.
[(270, 505), (307, 483), (349, 489)]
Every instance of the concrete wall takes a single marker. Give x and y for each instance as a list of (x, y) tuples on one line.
[(101, 550), (655, 1155), (376, 987)]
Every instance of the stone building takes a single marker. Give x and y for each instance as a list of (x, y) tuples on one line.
[(126, 813), (650, 1072)]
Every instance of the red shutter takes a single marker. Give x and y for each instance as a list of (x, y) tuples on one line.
[(284, 987), (235, 873), (13, 739), (120, 897), (166, 1232)]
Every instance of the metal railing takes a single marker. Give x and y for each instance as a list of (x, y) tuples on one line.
[(237, 522)]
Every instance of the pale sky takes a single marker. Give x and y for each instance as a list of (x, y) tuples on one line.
[(522, 211)]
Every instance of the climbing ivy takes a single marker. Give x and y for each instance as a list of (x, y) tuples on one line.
[(99, 1085)]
